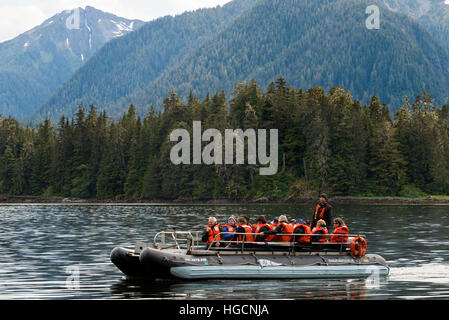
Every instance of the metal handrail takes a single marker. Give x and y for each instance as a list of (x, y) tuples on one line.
[(194, 237), (176, 239), (280, 234)]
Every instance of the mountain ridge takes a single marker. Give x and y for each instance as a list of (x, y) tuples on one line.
[(309, 43), (160, 44), (228, 58), (35, 63)]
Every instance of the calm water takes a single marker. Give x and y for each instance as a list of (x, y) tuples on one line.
[(44, 247)]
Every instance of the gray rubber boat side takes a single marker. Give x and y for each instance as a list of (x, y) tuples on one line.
[(278, 272), (129, 264)]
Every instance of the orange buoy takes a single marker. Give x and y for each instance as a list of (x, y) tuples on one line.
[(358, 247)]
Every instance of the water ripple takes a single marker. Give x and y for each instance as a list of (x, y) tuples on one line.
[(45, 247)]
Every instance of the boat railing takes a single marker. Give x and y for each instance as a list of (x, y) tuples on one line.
[(174, 239), (189, 239), (291, 243)]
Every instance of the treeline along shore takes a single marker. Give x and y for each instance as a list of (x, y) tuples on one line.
[(328, 142)]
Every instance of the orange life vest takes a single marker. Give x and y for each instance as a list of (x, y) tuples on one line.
[(288, 229), (229, 228), (321, 214), (249, 237), (260, 226), (228, 236), (323, 237), (342, 231), (269, 226), (304, 239), (214, 231)]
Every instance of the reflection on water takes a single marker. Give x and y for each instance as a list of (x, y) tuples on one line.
[(242, 289), (62, 252)]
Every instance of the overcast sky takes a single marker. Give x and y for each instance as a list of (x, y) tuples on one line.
[(18, 16)]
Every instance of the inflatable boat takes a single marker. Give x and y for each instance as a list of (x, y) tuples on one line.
[(183, 257)]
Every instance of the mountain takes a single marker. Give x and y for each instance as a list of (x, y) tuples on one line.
[(308, 42), (433, 15), (36, 62), (132, 62)]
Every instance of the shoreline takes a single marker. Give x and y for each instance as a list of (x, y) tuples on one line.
[(337, 200)]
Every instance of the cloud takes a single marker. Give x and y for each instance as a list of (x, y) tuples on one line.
[(15, 20), (18, 18)]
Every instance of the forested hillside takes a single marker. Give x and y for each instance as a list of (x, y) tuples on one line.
[(328, 141), (310, 43), (433, 15)]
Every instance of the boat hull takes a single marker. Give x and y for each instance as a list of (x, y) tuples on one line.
[(260, 265), (278, 272), (128, 262)]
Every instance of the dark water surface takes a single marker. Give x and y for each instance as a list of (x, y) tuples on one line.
[(45, 249)]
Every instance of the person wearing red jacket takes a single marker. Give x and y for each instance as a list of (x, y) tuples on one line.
[(212, 232), (302, 228), (283, 228), (262, 226), (243, 233), (320, 232), (323, 211), (339, 228)]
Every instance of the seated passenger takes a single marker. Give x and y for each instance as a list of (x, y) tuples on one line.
[(262, 226), (339, 228), (274, 223), (320, 232), (302, 228), (230, 227), (283, 228), (248, 223), (212, 232), (243, 233)]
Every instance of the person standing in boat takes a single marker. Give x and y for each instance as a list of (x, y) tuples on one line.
[(323, 211), (212, 232)]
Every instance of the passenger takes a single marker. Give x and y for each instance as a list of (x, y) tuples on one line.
[(293, 223), (302, 228), (283, 228), (247, 220), (323, 211), (274, 223), (339, 228), (243, 233), (262, 226), (230, 227), (320, 232), (212, 232)]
